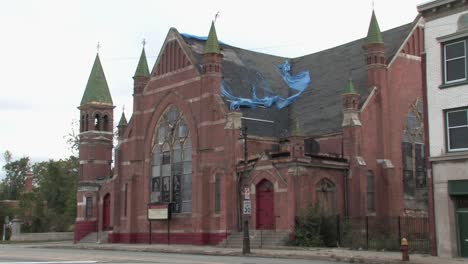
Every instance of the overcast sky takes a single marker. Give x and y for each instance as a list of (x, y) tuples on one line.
[(48, 48)]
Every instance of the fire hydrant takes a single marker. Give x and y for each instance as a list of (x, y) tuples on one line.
[(404, 250)]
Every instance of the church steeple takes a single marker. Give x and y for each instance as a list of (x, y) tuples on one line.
[(349, 88), (97, 90), (373, 34), (212, 44), (212, 56), (142, 68)]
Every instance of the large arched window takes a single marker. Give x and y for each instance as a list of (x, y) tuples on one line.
[(171, 170), (414, 176)]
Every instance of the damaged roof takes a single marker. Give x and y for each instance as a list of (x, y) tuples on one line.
[(318, 110)]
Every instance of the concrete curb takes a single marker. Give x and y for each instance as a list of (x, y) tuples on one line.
[(232, 252)]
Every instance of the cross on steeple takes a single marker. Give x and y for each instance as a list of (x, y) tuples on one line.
[(216, 16), (98, 46), (143, 42)]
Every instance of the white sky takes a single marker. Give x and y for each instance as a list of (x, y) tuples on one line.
[(47, 49)]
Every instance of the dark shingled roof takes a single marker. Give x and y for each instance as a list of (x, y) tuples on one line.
[(318, 110)]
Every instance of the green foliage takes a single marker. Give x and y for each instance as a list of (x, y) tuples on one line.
[(51, 206), (314, 229), (13, 183)]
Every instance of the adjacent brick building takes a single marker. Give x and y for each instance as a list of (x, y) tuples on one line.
[(351, 142)]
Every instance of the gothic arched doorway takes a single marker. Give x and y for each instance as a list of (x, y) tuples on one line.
[(326, 196), (265, 205), (106, 212)]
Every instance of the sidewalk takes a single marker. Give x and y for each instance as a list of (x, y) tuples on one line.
[(327, 254)]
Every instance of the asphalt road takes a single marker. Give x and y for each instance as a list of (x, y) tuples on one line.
[(26, 255)]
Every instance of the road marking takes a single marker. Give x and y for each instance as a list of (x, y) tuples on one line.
[(51, 262)]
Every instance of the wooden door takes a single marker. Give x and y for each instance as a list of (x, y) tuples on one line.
[(106, 212), (265, 205)]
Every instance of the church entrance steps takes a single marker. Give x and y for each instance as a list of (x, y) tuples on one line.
[(95, 238), (258, 239)]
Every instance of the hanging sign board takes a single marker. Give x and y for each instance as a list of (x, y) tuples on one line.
[(247, 207), (159, 212)]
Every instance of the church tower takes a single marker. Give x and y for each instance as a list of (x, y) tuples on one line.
[(95, 150), (351, 149), (374, 52)]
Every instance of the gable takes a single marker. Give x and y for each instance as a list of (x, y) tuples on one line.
[(172, 58)]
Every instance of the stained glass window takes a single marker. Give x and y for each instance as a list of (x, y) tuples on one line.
[(414, 176), (171, 168)]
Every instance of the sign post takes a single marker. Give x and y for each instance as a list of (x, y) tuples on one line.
[(158, 212)]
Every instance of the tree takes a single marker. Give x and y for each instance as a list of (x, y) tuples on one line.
[(57, 181), (13, 184), (72, 138)]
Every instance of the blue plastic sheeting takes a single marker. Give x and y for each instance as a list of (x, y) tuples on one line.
[(298, 82), (190, 36)]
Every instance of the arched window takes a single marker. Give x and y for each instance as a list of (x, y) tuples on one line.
[(105, 121), (171, 173), (370, 191), (326, 196), (86, 122), (97, 122), (82, 127), (414, 176)]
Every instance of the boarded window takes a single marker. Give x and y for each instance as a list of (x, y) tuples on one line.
[(326, 196)]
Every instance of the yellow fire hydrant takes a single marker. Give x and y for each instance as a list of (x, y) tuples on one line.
[(404, 249)]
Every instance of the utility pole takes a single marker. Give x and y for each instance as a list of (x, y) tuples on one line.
[(246, 204)]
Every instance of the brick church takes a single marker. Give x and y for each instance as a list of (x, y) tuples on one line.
[(351, 142)]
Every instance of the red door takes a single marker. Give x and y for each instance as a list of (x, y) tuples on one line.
[(265, 205), (106, 212)]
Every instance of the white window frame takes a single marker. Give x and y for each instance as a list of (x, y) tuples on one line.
[(447, 128), (445, 61)]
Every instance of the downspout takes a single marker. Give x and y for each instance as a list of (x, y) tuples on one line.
[(428, 163), (346, 200)]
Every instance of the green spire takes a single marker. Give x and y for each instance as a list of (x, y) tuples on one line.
[(212, 45), (142, 68), (123, 120), (349, 89), (373, 34), (97, 90)]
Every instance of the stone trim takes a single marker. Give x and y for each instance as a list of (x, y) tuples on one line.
[(450, 157), (211, 123), (171, 86)]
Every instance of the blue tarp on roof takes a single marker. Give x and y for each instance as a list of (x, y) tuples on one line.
[(298, 82)]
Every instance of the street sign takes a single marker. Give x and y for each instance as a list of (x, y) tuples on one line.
[(247, 207), (246, 193)]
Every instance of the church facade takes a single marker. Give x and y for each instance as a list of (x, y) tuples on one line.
[(351, 143)]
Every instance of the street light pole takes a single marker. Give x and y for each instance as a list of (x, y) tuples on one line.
[(246, 240)]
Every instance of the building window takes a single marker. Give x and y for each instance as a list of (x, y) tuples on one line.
[(171, 172), (89, 207), (455, 61), (125, 199), (217, 194), (370, 192), (413, 158), (456, 121)]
